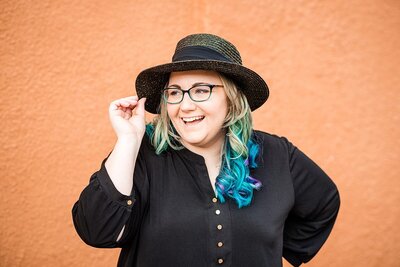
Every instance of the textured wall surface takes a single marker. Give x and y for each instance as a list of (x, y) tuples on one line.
[(332, 67)]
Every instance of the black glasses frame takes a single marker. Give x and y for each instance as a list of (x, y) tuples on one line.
[(211, 86)]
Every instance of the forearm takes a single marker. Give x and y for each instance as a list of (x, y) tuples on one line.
[(121, 164)]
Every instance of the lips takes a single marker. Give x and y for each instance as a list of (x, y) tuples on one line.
[(192, 119)]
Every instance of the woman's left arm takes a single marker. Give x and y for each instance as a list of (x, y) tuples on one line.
[(314, 212)]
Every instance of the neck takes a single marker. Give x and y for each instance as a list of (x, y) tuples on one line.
[(212, 152), (212, 157)]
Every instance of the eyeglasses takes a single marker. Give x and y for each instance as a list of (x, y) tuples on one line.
[(198, 93)]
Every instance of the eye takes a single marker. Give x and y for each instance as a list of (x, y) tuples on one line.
[(173, 92), (199, 90)]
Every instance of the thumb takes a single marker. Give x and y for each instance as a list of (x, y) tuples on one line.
[(140, 107)]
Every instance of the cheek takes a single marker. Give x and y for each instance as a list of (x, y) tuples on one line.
[(171, 111), (219, 113), (223, 113), (223, 109)]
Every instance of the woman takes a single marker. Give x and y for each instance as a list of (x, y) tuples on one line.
[(198, 186)]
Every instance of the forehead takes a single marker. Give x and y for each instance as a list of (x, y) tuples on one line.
[(187, 78)]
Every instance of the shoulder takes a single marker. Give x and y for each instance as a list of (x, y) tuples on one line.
[(272, 141), (147, 149)]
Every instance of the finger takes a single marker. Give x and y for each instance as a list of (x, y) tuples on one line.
[(130, 101), (140, 107), (129, 98), (127, 115), (126, 103), (133, 97)]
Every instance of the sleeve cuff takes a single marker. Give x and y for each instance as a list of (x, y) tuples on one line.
[(292, 258), (110, 189)]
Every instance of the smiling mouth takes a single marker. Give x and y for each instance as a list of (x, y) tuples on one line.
[(194, 119)]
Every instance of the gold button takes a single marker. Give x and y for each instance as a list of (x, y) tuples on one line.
[(214, 200), (220, 244), (220, 261), (219, 226), (129, 202), (217, 212)]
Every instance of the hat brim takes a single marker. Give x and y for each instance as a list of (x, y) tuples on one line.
[(151, 81)]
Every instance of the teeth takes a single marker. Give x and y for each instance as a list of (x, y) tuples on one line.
[(190, 119)]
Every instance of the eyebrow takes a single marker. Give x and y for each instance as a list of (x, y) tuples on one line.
[(178, 86)]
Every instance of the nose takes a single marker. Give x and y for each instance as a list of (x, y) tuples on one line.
[(187, 103)]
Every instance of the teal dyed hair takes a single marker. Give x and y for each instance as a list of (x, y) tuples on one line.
[(240, 150)]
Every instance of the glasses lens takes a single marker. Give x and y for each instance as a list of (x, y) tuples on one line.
[(200, 93), (173, 95)]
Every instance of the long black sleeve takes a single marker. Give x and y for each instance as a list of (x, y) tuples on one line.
[(315, 209), (102, 211)]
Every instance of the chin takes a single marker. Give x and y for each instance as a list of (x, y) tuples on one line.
[(192, 140)]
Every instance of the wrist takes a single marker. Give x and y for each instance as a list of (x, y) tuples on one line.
[(128, 140)]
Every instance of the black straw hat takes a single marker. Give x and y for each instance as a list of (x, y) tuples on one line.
[(202, 52)]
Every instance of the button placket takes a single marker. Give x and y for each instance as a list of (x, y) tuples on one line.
[(219, 218), (217, 212)]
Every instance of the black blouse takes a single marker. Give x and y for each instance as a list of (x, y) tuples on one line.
[(172, 217)]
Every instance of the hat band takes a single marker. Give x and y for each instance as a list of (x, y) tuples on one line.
[(198, 52)]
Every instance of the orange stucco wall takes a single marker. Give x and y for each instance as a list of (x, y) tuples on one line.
[(332, 66)]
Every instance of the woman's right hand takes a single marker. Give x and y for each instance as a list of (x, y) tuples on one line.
[(127, 116)]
